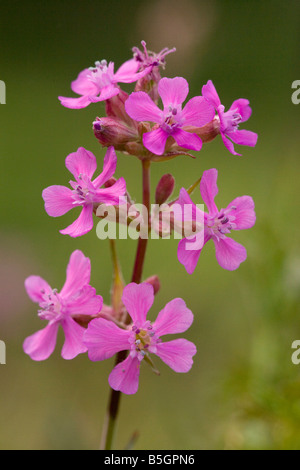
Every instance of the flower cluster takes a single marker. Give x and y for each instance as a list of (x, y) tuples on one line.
[(154, 123)]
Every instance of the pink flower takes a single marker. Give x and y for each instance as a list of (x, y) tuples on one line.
[(153, 62), (104, 339), (238, 215), (171, 121), (85, 193), (77, 297), (151, 59), (229, 121), (99, 83)]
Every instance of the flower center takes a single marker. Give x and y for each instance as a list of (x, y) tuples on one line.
[(101, 75), (82, 192), (171, 119), (221, 224), (143, 340), (149, 58), (231, 120), (50, 308)]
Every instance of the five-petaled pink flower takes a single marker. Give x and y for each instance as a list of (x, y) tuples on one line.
[(77, 297), (85, 193), (170, 121), (229, 121), (238, 215), (104, 338), (100, 83)]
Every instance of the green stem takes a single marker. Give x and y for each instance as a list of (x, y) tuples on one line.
[(115, 396)]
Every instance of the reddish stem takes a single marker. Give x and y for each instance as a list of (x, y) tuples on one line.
[(115, 396), (142, 243)]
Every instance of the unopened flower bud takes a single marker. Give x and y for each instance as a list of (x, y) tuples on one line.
[(207, 132), (109, 183), (155, 283), (115, 108), (149, 84), (164, 189), (114, 132)]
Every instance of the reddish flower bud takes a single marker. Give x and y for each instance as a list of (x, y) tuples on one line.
[(109, 183), (207, 132), (164, 189), (114, 132), (155, 283), (115, 108), (149, 84)]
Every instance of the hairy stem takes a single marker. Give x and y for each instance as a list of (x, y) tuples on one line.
[(115, 396)]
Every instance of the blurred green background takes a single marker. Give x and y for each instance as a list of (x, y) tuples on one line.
[(243, 391)]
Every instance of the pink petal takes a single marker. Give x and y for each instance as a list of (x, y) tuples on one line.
[(78, 274), (138, 299), (58, 200), (177, 354), (197, 112), (36, 287), (125, 376), (73, 344), (82, 162), (82, 85), (242, 107), (75, 103), (185, 199), (109, 168), (107, 310), (106, 93), (85, 302), (187, 140), (174, 318), (142, 73), (104, 339), (244, 213), (229, 145), (184, 209), (155, 141), (188, 258), (243, 137), (229, 253), (113, 194), (185, 212), (210, 93), (82, 225), (173, 91), (128, 72), (209, 189), (140, 107), (41, 344)]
